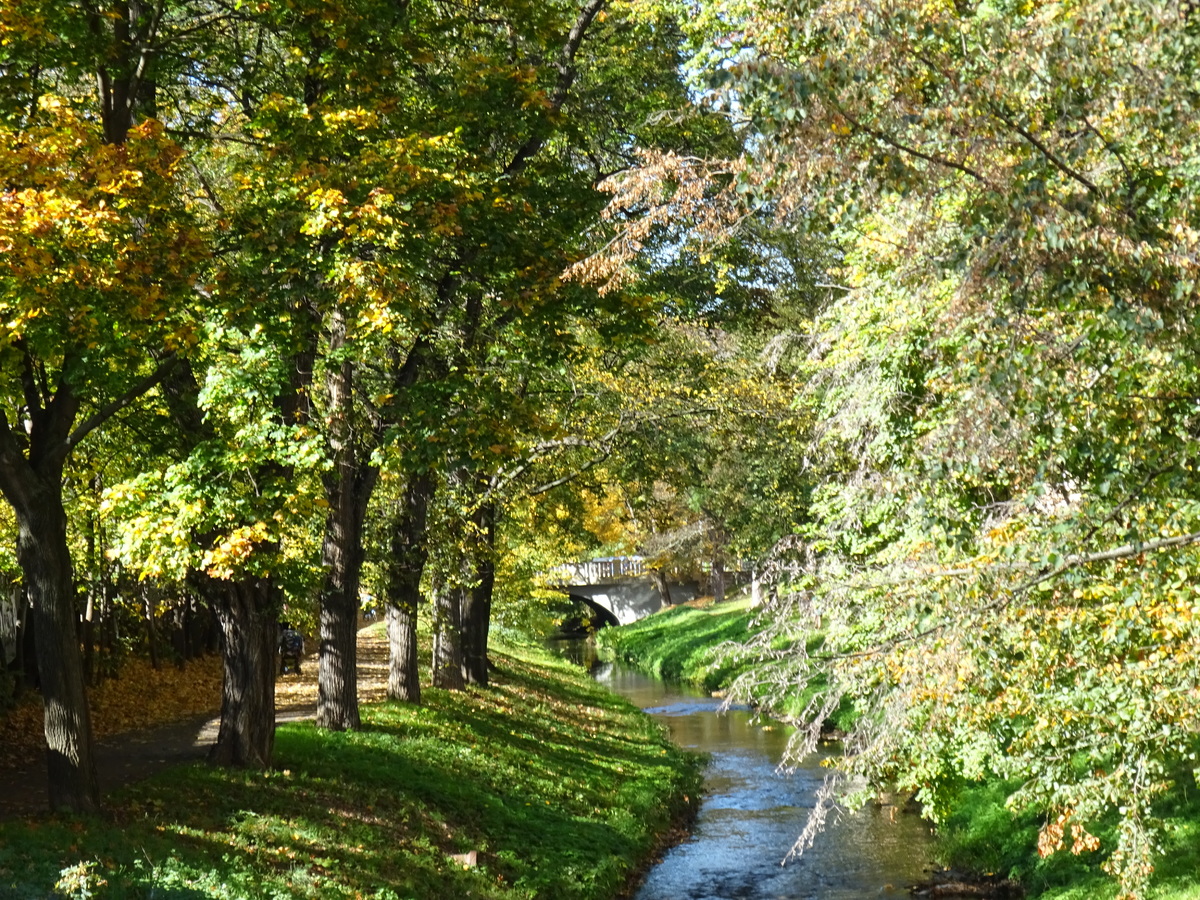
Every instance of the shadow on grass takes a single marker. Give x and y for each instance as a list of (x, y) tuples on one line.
[(558, 788)]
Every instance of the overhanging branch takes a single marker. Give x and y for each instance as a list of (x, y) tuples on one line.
[(109, 410)]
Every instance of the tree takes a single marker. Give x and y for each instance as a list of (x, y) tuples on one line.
[(234, 513), (101, 259), (998, 384), (489, 308)]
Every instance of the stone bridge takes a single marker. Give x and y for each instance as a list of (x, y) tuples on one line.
[(621, 589)]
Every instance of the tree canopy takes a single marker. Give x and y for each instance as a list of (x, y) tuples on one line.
[(895, 301), (999, 548)]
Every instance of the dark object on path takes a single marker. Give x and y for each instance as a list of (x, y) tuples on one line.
[(291, 649), (948, 883)]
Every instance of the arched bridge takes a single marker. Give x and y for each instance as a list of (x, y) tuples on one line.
[(622, 589)]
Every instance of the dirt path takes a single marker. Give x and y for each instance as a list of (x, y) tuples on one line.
[(133, 756)]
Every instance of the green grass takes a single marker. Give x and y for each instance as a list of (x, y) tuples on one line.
[(683, 643), (981, 834), (561, 788), (691, 644)]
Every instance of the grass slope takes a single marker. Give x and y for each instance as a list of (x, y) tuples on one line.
[(982, 834), (683, 643), (560, 788), (688, 643)]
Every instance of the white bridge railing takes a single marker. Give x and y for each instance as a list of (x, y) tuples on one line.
[(598, 571)]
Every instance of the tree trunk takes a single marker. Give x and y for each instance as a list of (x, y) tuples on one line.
[(89, 613), (447, 638), (659, 577), (89, 639), (405, 566), (178, 621), (46, 563), (149, 603), (27, 649), (348, 489), (404, 674), (246, 615), (718, 577), (477, 605)]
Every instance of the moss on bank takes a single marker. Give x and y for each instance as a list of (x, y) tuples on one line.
[(544, 785)]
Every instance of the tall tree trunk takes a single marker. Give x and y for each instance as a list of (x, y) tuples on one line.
[(348, 489), (718, 576), (89, 613), (46, 563), (447, 637), (27, 649), (477, 605), (717, 582), (246, 615), (405, 566)]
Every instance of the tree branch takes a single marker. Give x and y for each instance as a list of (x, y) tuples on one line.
[(566, 77), (1125, 551), (107, 411), (912, 151), (1046, 151)]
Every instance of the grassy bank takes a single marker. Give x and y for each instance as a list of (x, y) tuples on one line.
[(981, 835), (688, 643), (682, 643), (544, 785)]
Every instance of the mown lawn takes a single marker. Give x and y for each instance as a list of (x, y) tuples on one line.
[(558, 788)]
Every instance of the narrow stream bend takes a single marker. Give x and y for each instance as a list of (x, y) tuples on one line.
[(752, 814)]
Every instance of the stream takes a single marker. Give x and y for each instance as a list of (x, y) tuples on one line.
[(751, 814)]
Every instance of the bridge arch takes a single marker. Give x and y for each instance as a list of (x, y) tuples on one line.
[(619, 589)]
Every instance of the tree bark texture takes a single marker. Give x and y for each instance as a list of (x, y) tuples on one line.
[(46, 563), (404, 674), (718, 577), (348, 488), (405, 565), (246, 616), (149, 605), (31, 471), (659, 577), (447, 637), (477, 601)]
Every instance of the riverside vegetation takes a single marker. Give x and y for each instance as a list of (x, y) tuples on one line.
[(703, 646), (543, 785)]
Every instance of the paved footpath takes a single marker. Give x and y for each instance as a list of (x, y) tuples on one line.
[(126, 758)]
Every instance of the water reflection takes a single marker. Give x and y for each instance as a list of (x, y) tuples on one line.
[(752, 814)]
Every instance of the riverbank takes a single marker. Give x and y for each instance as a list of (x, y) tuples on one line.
[(683, 643), (688, 643), (543, 785), (980, 834)]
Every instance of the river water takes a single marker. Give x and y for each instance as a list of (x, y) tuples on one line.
[(751, 814)]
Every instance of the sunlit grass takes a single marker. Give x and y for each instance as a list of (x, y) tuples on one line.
[(683, 643), (557, 787), (982, 834)]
